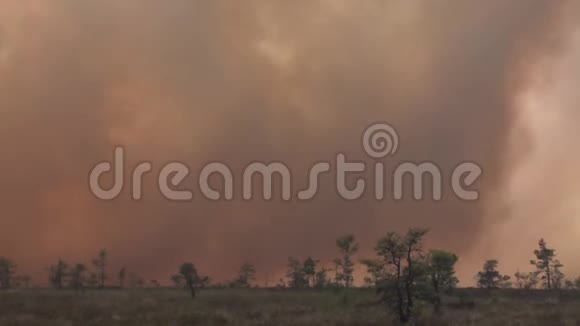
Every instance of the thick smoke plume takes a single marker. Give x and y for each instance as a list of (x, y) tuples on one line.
[(200, 81)]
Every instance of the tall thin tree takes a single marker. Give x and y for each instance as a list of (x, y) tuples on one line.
[(546, 264), (100, 262), (348, 247)]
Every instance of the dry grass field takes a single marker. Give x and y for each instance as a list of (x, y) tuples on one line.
[(276, 307)]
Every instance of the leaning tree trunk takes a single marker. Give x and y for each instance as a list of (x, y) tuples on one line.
[(192, 289)]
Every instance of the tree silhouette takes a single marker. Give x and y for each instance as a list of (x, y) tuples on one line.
[(348, 247), (490, 277), (441, 271), (577, 283), (77, 276), (558, 276), (7, 271), (375, 271), (547, 265), (58, 274), (295, 274), (527, 281), (338, 277), (321, 278), (246, 275), (101, 264), (191, 277), (309, 268), (400, 256)]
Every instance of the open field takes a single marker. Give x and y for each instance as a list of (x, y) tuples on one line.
[(270, 307)]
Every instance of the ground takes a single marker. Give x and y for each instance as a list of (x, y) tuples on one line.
[(277, 307)]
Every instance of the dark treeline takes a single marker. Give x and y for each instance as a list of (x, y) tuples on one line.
[(402, 271)]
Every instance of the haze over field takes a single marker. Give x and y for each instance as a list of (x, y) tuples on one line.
[(493, 82)]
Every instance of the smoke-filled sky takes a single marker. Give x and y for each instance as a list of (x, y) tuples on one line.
[(493, 82)]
